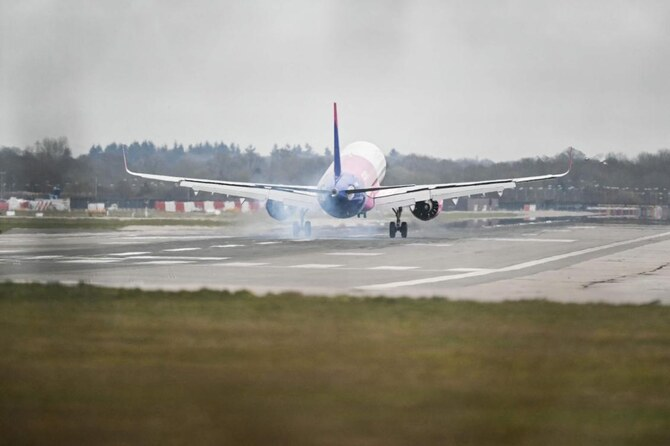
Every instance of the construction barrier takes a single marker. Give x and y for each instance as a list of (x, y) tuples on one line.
[(237, 205), (40, 205)]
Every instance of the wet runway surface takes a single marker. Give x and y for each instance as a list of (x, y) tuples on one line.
[(571, 261)]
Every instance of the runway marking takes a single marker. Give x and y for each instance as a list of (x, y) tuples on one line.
[(539, 240), (467, 270), (392, 268), (266, 243), (180, 249), (226, 246), (44, 257), (362, 254), (131, 253), (582, 227), (435, 245), (240, 264), (315, 266), (174, 258), (517, 267), (174, 237), (128, 242), (90, 261), (163, 262), (8, 251)]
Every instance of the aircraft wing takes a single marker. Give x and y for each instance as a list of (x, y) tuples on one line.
[(408, 195), (300, 196)]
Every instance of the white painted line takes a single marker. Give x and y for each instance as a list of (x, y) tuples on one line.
[(434, 245), (240, 264), (539, 240), (163, 262), (467, 270), (90, 261), (392, 268), (583, 227), (516, 267), (174, 258), (131, 253), (180, 249), (226, 246), (44, 257), (8, 251), (361, 254), (315, 266), (129, 242), (266, 243), (174, 237)]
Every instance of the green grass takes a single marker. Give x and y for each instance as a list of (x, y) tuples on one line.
[(82, 365), (70, 223)]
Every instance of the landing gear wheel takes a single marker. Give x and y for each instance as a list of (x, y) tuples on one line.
[(398, 226), (403, 229), (302, 226)]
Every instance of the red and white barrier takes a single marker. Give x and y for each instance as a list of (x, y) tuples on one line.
[(19, 204), (236, 205)]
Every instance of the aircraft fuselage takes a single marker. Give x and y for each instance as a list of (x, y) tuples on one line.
[(363, 165)]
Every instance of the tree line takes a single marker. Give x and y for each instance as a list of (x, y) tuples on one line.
[(49, 163)]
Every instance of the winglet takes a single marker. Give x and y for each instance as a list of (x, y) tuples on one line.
[(337, 164), (125, 161), (570, 150)]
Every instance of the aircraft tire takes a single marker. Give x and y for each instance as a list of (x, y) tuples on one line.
[(403, 229), (392, 229), (308, 229)]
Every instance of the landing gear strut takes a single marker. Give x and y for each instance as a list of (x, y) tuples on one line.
[(303, 226), (397, 225)]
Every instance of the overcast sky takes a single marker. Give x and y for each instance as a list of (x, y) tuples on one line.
[(498, 79)]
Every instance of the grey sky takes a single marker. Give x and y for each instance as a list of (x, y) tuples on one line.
[(498, 79)]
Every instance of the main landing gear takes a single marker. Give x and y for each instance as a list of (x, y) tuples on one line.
[(302, 226), (397, 225)]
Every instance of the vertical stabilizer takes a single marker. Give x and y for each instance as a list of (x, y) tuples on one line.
[(336, 162)]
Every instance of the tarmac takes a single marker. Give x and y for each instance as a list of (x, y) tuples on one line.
[(565, 260)]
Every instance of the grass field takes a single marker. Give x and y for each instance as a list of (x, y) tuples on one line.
[(87, 365), (72, 223)]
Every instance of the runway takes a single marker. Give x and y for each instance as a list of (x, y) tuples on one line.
[(567, 261)]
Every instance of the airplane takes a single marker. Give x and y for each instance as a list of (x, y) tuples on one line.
[(351, 186)]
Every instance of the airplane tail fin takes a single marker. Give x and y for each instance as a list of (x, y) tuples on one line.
[(338, 166)]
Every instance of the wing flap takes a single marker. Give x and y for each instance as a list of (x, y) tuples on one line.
[(300, 196), (408, 197)]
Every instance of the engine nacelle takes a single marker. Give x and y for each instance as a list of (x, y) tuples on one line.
[(426, 210), (278, 210)]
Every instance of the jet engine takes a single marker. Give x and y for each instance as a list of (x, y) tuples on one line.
[(426, 210), (278, 210)]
